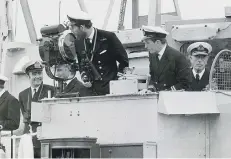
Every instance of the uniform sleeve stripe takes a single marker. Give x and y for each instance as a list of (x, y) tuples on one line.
[(173, 88)]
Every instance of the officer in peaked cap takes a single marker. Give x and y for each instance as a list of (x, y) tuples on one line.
[(102, 48), (33, 66), (169, 68), (199, 54), (78, 16), (199, 48), (34, 93), (80, 19), (9, 108), (154, 32)]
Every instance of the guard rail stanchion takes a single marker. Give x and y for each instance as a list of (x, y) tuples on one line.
[(2, 153)]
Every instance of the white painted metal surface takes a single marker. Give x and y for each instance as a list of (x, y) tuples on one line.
[(154, 14), (181, 136), (109, 10), (220, 127), (201, 31), (82, 5), (134, 118), (197, 136), (228, 11), (135, 13), (123, 87), (29, 21), (177, 8), (139, 61), (111, 119), (179, 103), (130, 36), (193, 32), (6, 32)]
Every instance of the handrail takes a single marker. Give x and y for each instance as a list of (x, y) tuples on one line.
[(14, 137)]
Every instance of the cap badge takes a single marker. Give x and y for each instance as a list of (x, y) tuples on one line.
[(37, 65), (200, 48)]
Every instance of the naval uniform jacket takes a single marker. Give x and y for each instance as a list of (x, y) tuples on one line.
[(107, 50), (9, 111), (25, 99), (202, 83), (76, 86), (172, 72)]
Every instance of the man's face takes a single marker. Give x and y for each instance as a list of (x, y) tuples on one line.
[(78, 31), (35, 77), (153, 47), (62, 71), (199, 62)]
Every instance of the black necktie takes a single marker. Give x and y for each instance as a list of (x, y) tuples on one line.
[(157, 59), (197, 77), (88, 47), (88, 44)]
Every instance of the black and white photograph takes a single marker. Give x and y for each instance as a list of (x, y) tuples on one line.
[(115, 79)]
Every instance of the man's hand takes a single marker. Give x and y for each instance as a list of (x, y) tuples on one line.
[(26, 115), (87, 84), (144, 91), (26, 128), (128, 70), (213, 86), (121, 76)]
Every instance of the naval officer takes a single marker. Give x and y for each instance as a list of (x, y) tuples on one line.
[(169, 68), (9, 108), (199, 54), (34, 93), (102, 48), (71, 83)]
